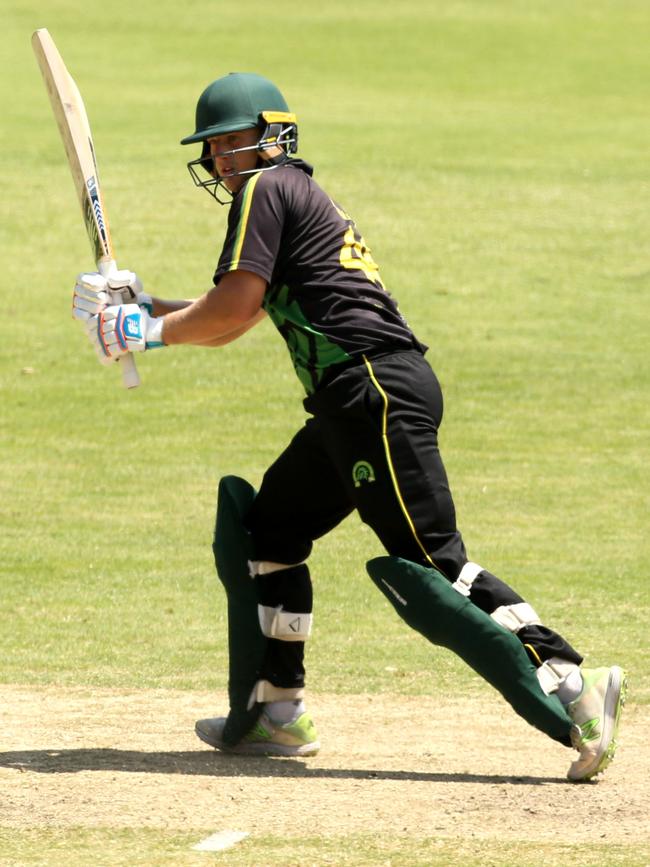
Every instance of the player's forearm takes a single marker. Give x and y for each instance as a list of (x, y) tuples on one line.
[(233, 335), (197, 324), (224, 310), (161, 307)]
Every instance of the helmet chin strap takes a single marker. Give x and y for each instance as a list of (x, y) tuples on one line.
[(273, 161)]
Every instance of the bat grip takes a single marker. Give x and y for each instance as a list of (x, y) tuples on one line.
[(130, 375)]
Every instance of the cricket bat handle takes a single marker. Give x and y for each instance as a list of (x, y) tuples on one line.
[(130, 376)]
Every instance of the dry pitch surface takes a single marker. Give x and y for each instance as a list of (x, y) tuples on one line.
[(113, 759)]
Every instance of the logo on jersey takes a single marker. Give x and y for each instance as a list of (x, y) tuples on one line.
[(362, 472)]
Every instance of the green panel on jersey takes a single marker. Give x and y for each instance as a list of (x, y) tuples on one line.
[(312, 353), (246, 643), (429, 604)]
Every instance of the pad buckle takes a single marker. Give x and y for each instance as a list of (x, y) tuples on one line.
[(467, 576)]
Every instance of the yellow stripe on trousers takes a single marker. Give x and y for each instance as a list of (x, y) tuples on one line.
[(534, 653), (389, 461)]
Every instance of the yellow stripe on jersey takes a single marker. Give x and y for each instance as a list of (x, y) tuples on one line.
[(243, 221), (389, 461)]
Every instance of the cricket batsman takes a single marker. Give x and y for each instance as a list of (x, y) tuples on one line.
[(369, 442)]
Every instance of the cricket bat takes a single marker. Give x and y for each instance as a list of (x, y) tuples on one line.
[(72, 120)]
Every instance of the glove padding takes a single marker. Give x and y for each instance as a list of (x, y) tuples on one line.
[(123, 328), (93, 293)]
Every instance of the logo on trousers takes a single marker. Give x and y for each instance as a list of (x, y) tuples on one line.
[(362, 471)]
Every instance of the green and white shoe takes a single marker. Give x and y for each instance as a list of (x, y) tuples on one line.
[(266, 738), (596, 713)]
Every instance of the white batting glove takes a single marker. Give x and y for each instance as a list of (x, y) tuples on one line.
[(123, 328), (90, 296), (94, 292), (129, 287)]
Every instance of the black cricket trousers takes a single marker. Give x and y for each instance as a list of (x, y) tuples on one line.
[(371, 444)]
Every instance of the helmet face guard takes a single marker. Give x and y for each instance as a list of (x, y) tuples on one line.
[(280, 131)]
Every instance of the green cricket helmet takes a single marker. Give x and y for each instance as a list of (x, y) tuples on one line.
[(239, 101)]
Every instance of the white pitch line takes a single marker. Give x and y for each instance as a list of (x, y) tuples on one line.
[(220, 840)]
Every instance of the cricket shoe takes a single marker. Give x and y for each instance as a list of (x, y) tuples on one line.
[(596, 713), (266, 738)]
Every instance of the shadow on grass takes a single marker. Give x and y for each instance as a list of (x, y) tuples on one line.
[(214, 764)]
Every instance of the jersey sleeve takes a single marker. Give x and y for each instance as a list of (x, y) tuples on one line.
[(255, 224)]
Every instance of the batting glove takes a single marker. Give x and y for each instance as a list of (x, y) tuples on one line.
[(128, 286), (93, 293), (123, 328), (90, 296)]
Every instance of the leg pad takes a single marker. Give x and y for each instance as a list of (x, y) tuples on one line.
[(430, 605), (246, 644)]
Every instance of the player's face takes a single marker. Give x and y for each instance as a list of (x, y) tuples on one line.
[(228, 163)]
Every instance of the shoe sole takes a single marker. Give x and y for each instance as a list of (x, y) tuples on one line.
[(614, 701), (260, 748)]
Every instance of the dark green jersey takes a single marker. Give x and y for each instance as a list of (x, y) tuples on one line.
[(324, 295)]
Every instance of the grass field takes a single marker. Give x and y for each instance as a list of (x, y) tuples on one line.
[(495, 157)]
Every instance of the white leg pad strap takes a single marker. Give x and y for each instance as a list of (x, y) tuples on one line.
[(267, 567), (463, 584), (553, 673), (515, 617), (264, 691), (285, 625)]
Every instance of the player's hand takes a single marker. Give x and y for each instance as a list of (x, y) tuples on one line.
[(93, 293), (123, 328)]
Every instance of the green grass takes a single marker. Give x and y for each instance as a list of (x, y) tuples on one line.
[(501, 185), (154, 848), (495, 158), (494, 155)]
